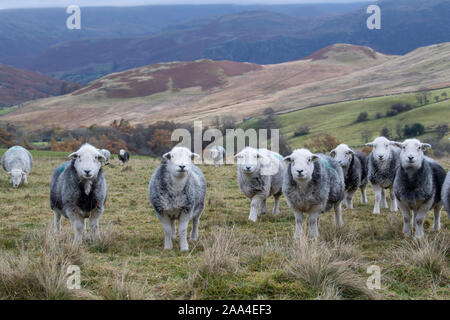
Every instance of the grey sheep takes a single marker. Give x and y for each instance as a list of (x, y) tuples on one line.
[(217, 154), (383, 163), (313, 184), (417, 186), (106, 154), (354, 166), (446, 195), (260, 175), (177, 191), (17, 162), (78, 191)]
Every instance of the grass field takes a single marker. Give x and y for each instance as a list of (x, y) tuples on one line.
[(339, 118), (234, 259)]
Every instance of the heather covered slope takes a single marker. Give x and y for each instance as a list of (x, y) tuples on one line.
[(18, 86), (204, 89)]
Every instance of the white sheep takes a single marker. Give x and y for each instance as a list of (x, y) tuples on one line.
[(106, 154), (313, 184), (260, 175), (17, 162), (383, 163), (78, 191), (417, 186), (217, 154), (177, 191)]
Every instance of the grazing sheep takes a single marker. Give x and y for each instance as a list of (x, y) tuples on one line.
[(260, 175), (124, 157), (17, 162), (446, 195), (177, 191), (417, 186), (217, 154), (313, 184), (106, 154), (383, 163), (354, 165), (78, 191)]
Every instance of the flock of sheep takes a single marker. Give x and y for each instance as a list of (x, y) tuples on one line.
[(311, 183)]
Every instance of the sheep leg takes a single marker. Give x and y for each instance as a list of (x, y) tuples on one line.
[(338, 214), (57, 221), (418, 221), (255, 207), (298, 224), (383, 199), (363, 194), (276, 207), (406, 219), (313, 226), (437, 217), (183, 223), (25, 179), (194, 231), (78, 224), (349, 199), (394, 207), (167, 226), (174, 229), (378, 192), (263, 209), (93, 223)]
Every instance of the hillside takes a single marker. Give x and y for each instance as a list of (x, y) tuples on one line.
[(254, 34), (18, 86), (202, 90)]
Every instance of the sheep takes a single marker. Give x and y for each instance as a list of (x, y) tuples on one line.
[(106, 154), (78, 191), (177, 191), (354, 166), (260, 175), (382, 164), (313, 184), (17, 162), (217, 154), (446, 195), (417, 186), (124, 157)]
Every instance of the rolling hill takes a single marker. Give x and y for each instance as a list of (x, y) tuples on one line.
[(205, 89), (18, 86)]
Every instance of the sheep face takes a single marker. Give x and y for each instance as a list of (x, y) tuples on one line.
[(214, 153), (87, 161), (16, 177), (179, 161), (249, 160), (381, 149), (412, 153), (343, 155), (302, 164)]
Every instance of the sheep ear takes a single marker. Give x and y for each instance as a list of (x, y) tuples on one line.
[(350, 151), (425, 146), (103, 159), (288, 158), (333, 153), (194, 156), (167, 156), (396, 144), (315, 157), (238, 155), (73, 155), (370, 144)]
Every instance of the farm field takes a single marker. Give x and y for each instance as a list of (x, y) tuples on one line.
[(234, 259)]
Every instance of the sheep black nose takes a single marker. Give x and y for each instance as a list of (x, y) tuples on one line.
[(248, 168), (411, 158), (87, 172), (380, 157), (300, 172), (182, 167)]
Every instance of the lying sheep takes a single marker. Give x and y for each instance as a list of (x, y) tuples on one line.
[(383, 163), (313, 184), (106, 154), (354, 166), (177, 191), (124, 157), (260, 175), (217, 154), (17, 162), (78, 191), (417, 186), (446, 195)]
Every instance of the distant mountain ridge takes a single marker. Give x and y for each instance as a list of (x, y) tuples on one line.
[(206, 89)]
